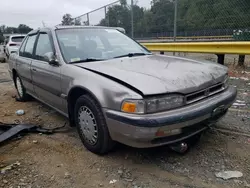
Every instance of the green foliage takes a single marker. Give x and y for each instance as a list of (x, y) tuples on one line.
[(78, 21), (67, 19), (22, 28), (1, 38), (193, 15)]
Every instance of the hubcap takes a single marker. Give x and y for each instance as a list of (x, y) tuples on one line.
[(19, 87), (87, 122)]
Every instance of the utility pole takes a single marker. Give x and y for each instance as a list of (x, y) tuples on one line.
[(132, 19), (87, 18)]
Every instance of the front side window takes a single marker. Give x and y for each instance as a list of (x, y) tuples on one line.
[(43, 46), (28, 51), (97, 44)]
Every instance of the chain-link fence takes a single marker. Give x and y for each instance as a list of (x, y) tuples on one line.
[(175, 19), (98, 16)]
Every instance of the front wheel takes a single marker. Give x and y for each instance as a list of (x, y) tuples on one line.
[(91, 125), (21, 91)]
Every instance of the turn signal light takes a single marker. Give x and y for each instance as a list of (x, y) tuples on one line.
[(129, 107)]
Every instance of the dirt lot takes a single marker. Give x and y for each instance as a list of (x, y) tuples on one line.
[(60, 160)]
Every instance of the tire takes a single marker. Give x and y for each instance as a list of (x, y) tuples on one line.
[(192, 141), (21, 91), (91, 125)]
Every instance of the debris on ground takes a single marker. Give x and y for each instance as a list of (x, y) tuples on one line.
[(239, 103), (229, 174), (9, 167), (66, 175), (120, 172), (20, 112), (244, 78), (234, 78), (112, 181)]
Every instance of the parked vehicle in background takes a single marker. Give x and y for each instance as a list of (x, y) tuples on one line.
[(4, 45), (13, 44), (113, 89)]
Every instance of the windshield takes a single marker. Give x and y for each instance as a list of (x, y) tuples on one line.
[(17, 39), (81, 44)]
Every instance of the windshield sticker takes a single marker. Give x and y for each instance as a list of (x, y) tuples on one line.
[(75, 59)]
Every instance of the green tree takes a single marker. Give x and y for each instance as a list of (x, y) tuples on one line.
[(78, 21), (11, 30), (2, 28), (22, 28), (1, 37), (67, 20), (163, 15)]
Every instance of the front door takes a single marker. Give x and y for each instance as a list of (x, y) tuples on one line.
[(24, 62), (46, 77)]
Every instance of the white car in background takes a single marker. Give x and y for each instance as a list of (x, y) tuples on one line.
[(13, 44)]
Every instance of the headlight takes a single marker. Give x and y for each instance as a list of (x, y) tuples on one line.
[(152, 105)]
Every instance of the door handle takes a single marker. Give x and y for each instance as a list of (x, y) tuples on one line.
[(33, 69)]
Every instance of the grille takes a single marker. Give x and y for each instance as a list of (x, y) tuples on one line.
[(193, 97)]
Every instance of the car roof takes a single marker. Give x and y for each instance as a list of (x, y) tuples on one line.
[(60, 27)]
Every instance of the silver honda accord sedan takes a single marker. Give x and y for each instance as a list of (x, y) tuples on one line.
[(115, 90)]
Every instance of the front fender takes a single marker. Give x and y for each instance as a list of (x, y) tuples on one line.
[(107, 92)]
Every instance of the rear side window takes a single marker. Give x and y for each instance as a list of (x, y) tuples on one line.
[(22, 47), (17, 39), (43, 46), (28, 51)]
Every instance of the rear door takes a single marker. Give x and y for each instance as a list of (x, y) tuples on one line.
[(46, 77), (24, 60)]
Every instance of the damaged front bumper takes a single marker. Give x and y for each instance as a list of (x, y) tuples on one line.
[(168, 127)]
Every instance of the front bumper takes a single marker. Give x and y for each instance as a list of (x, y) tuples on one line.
[(168, 127)]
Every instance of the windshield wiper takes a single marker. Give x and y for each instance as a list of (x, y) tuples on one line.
[(132, 55), (86, 60)]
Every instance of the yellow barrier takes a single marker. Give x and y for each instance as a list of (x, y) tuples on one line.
[(200, 37), (240, 48)]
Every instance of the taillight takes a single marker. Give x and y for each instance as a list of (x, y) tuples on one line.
[(12, 44)]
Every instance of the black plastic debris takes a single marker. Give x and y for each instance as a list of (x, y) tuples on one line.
[(10, 131)]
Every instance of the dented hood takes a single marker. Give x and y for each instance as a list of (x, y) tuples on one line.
[(158, 74)]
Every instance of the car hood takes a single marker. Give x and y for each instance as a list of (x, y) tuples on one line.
[(158, 74)]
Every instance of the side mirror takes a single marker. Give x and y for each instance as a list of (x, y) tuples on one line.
[(50, 58)]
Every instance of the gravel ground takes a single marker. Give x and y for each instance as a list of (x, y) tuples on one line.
[(238, 117), (60, 160)]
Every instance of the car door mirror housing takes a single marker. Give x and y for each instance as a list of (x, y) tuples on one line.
[(51, 58)]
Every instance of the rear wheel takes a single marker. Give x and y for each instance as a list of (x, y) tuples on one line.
[(21, 91), (91, 125)]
